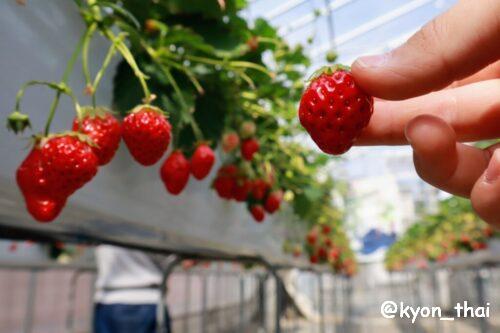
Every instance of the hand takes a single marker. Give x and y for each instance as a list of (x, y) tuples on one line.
[(457, 55)]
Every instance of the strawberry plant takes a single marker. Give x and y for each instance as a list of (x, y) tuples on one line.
[(223, 84)]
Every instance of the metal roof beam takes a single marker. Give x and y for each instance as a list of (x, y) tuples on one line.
[(309, 18), (373, 24)]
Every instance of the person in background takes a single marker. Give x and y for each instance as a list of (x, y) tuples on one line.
[(128, 291)]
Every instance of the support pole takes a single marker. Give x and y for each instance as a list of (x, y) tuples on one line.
[(204, 303), (479, 280), (161, 308), (242, 304), (70, 315), (30, 304), (321, 305)]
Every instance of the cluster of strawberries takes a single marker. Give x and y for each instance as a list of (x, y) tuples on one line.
[(233, 183), (60, 164), (322, 250)]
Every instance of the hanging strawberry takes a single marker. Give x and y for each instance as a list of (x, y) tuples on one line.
[(175, 172), (202, 161), (103, 129), (146, 132)]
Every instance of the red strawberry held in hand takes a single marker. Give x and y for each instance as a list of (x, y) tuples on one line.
[(103, 129), (248, 148), (334, 110), (175, 172), (202, 161), (258, 213), (273, 201), (146, 132), (230, 141)]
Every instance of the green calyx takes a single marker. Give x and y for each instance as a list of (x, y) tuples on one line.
[(92, 112), (17, 122), (149, 107), (42, 139), (328, 70)]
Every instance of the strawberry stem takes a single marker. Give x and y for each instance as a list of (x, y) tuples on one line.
[(129, 58), (85, 63), (64, 80)]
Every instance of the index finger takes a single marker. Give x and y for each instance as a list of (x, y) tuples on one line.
[(455, 45), (473, 111)]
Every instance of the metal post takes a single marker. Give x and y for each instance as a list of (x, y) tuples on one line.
[(262, 301), (91, 303), (435, 297), (70, 315), (187, 301), (483, 322), (242, 304), (334, 303), (30, 303), (161, 308), (321, 304), (204, 303), (277, 322)]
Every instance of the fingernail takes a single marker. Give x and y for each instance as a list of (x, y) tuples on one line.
[(373, 60), (493, 170)]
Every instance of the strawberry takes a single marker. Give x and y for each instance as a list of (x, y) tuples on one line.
[(328, 242), (230, 141), (312, 237), (322, 253), (69, 163), (225, 182), (333, 254), (313, 259), (334, 110), (259, 189), (103, 129), (229, 170), (247, 129), (241, 189), (175, 172), (326, 229), (258, 213), (146, 132), (55, 168), (273, 201), (32, 181), (248, 148), (224, 186), (202, 161)]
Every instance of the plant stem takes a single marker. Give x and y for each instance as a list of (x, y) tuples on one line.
[(64, 80), (129, 58), (85, 53), (105, 64)]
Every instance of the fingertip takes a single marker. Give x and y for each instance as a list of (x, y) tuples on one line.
[(485, 195), (426, 133)]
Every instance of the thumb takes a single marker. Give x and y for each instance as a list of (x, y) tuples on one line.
[(454, 45)]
